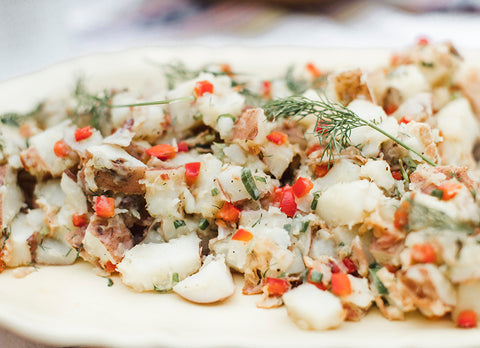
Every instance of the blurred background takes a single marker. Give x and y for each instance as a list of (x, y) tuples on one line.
[(35, 34)]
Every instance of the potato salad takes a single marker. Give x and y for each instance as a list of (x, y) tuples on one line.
[(329, 191)]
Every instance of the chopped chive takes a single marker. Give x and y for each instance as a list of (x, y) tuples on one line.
[(157, 289), (313, 206), (341, 244), (373, 269), (179, 223), (437, 193), (287, 227), (403, 171), (203, 224), (427, 64), (226, 115), (249, 183), (304, 227), (175, 277), (110, 282), (261, 179), (215, 191), (316, 277)]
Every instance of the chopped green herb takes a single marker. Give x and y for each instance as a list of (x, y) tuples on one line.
[(68, 252), (427, 64), (315, 276), (341, 244), (437, 193), (110, 282), (157, 289), (226, 115), (297, 86), (215, 191), (203, 224), (175, 278), (249, 183), (316, 195), (15, 119), (258, 220), (373, 269), (261, 179), (304, 227), (179, 223), (287, 227)]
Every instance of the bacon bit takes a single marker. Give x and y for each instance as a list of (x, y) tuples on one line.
[(390, 109), (397, 175), (302, 187), (313, 70), (321, 170), (287, 203), (182, 146), (423, 253), (404, 120), (391, 268), (467, 319), (110, 267), (278, 138), (162, 151), (450, 189), (228, 213), (79, 220), (202, 87), (266, 88), (192, 170), (351, 267), (341, 284), (423, 41), (61, 149), (277, 286), (105, 206), (401, 215), (83, 133), (242, 235), (164, 176)]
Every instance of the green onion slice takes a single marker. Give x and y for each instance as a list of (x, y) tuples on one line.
[(249, 183)]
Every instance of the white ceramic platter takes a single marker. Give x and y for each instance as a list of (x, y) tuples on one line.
[(71, 305)]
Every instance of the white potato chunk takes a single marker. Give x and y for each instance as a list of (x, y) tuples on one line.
[(51, 251), (467, 298), (212, 283), (277, 158), (466, 267), (349, 203), (11, 197), (379, 172), (313, 309), (408, 80), (460, 130), (153, 266)]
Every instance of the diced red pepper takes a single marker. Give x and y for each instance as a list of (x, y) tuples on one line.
[(277, 286), (400, 218), (202, 87), (105, 206), (423, 253), (287, 203), (266, 88), (404, 120), (334, 267), (314, 148), (397, 175), (228, 213), (278, 138), (321, 170), (322, 128), (192, 170), (351, 267), (242, 235), (302, 187), (423, 41), (312, 69), (341, 284), (83, 133), (467, 319), (390, 109), (182, 146), (110, 267), (61, 149), (79, 220), (450, 189), (162, 151)]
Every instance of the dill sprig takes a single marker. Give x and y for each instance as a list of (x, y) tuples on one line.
[(15, 119), (334, 126), (96, 106)]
